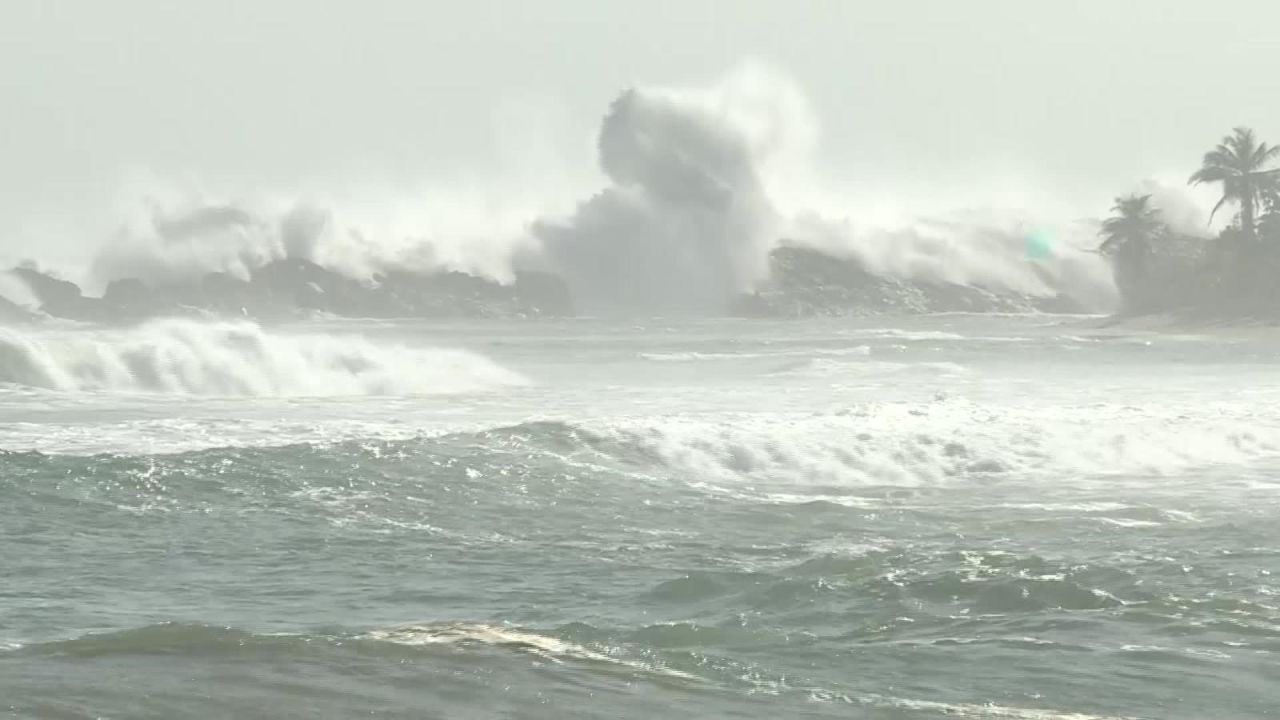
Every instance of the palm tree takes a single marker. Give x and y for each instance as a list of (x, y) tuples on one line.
[(1240, 164), (1127, 238), (1129, 233)]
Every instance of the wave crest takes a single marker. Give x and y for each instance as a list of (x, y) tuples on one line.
[(237, 358), (790, 458)]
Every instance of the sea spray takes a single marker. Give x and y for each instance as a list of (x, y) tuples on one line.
[(701, 183)]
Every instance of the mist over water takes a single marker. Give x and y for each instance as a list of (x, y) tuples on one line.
[(701, 184)]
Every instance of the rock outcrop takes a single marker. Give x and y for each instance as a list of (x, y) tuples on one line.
[(11, 313), (287, 289), (60, 298), (804, 282)]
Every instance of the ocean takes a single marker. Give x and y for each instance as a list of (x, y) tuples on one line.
[(954, 516)]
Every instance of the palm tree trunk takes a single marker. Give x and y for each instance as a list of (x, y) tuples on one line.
[(1246, 215)]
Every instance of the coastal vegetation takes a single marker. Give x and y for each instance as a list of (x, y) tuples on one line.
[(1233, 274)]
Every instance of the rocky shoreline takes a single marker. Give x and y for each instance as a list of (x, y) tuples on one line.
[(808, 283), (802, 283), (297, 289)]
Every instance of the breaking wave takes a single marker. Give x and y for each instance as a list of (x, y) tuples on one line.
[(786, 457), (237, 358), (775, 456), (928, 446), (701, 184), (686, 222)]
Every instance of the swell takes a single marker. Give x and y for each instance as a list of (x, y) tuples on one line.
[(193, 640), (560, 654)]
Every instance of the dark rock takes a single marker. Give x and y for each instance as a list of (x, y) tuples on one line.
[(48, 289), (58, 297), (228, 295), (442, 294), (12, 313), (805, 282), (129, 292), (296, 287), (544, 293), (131, 298)]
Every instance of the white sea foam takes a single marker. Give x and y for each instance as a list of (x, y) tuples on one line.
[(901, 334), (695, 356), (988, 711), (1129, 523), (832, 368), (543, 646), (940, 443), (236, 358)]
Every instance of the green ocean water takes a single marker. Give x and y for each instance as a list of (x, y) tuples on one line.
[(1019, 517)]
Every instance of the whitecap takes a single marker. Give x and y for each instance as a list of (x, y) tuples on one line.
[(238, 359)]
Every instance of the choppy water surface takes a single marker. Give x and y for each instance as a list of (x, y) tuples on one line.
[(962, 517)]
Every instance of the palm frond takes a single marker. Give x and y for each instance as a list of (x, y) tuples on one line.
[(1221, 156), (1132, 227), (1266, 153), (1217, 207), (1240, 162)]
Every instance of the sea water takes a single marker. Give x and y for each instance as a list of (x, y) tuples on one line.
[(953, 516)]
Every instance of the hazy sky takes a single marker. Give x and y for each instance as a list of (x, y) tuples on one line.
[(1077, 100)]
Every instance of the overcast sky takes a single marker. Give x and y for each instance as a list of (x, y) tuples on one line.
[(1078, 99)]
